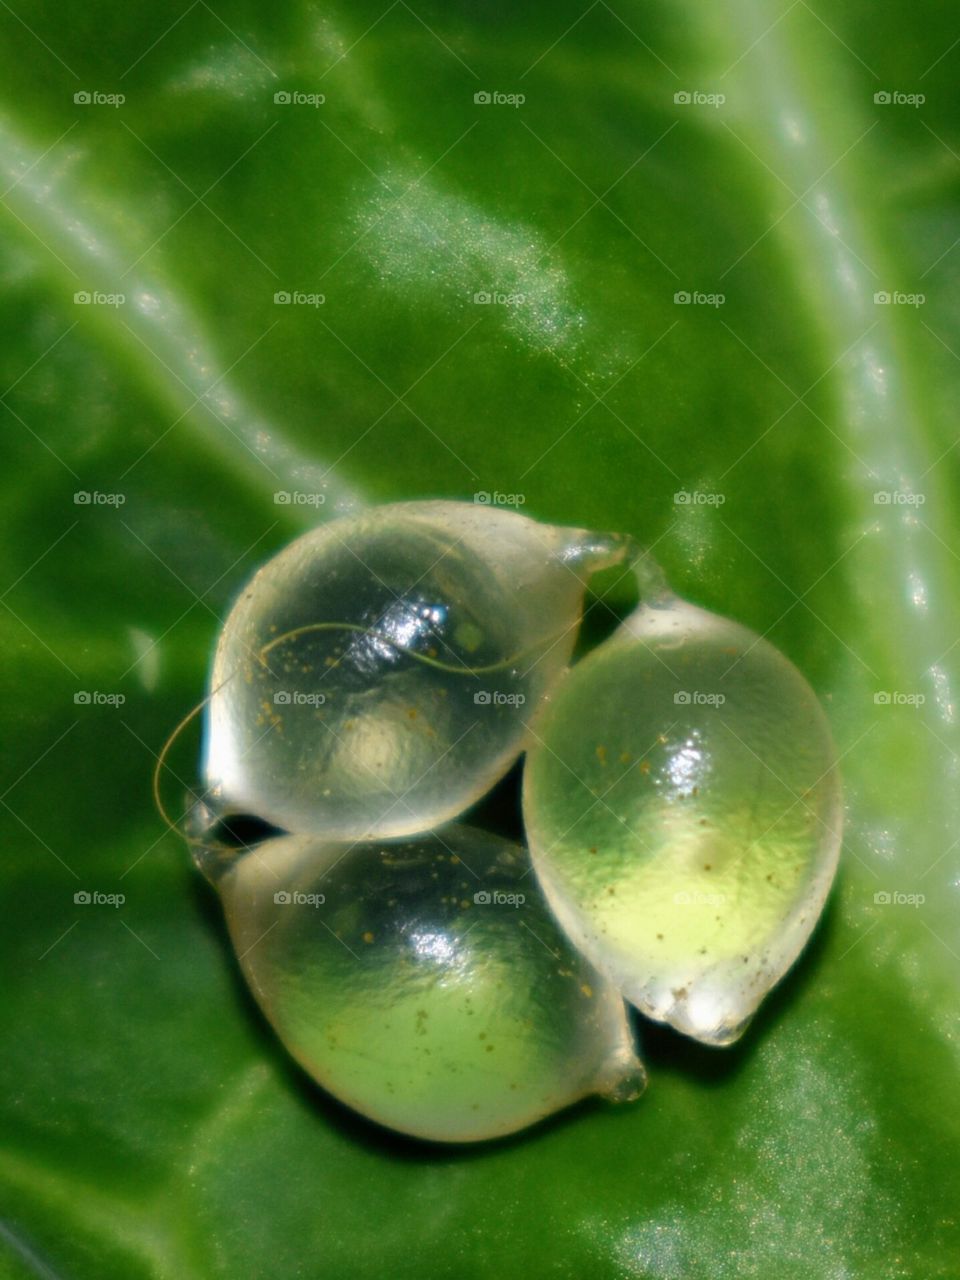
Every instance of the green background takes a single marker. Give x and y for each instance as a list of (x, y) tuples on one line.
[(151, 1125)]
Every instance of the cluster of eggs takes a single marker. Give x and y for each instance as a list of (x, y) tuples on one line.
[(680, 803)]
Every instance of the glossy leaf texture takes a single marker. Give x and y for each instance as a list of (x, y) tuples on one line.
[(152, 1127)]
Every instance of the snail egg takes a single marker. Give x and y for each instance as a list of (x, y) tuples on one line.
[(684, 814), (424, 983), (374, 679)]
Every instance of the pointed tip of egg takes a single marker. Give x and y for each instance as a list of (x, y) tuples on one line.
[(699, 1015), (626, 1083)]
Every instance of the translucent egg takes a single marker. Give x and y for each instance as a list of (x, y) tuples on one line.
[(684, 813), (424, 982), (375, 678)]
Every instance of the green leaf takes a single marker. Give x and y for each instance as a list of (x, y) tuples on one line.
[(153, 1126)]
